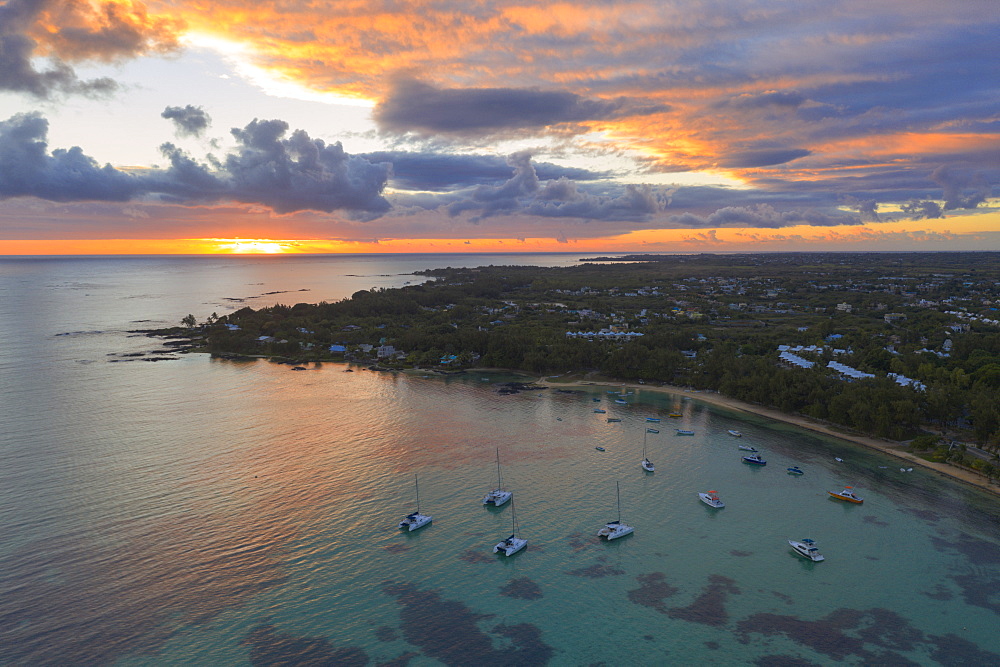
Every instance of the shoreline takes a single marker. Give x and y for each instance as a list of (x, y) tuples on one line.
[(884, 446)]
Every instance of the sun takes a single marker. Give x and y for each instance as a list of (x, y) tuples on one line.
[(252, 246)]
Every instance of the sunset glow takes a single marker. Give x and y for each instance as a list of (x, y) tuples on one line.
[(548, 124)]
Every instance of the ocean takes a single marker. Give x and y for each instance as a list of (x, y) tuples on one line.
[(194, 511)]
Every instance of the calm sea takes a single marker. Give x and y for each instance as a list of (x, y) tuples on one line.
[(206, 512)]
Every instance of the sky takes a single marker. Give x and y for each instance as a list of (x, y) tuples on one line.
[(443, 126)]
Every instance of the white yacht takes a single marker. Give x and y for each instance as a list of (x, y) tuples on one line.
[(415, 520), (499, 495), (712, 499), (615, 529), (646, 464), (807, 549), (512, 544)]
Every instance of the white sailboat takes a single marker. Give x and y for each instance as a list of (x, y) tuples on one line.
[(498, 496), (646, 464), (512, 544), (615, 529), (416, 519)]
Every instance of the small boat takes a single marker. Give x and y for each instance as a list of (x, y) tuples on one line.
[(682, 431), (795, 470), (646, 464), (747, 448), (558, 419), (807, 549), (712, 499), (613, 419), (735, 434), (755, 460), (499, 495), (838, 459), (653, 419), (512, 544), (652, 430), (600, 449), (615, 529), (416, 519), (675, 415), (848, 495), (599, 411), (621, 402), (596, 400)]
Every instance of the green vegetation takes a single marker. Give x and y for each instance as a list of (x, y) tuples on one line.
[(707, 322)]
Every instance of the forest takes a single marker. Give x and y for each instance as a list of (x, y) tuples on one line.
[(710, 322)]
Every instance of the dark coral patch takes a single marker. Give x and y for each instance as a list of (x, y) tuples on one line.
[(652, 591), (271, 646), (782, 661), (449, 632), (385, 633), (980, 552), (874, 520), (579, 542), (939, 593), (927, 515), (596, 571), (781, 596), (476, 556), (396, 548), (709, 608), (979, 590), (715, 646), (522, 589), (953, 651), (740, 554), (400, 661)]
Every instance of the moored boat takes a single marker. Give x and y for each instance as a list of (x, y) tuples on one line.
[(646, 464), (512, 544), (747, 448), (848, 495), (499, 495), (653, 419), (675, 415), (415, 520), (684, 431), (807, 549), (612, 420), (615, 529), (735, 434), (754, 459), (599, 411), (795, 470), (712, 499)]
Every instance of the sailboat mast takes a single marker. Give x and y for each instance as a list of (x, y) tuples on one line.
[(416, 485), (618, 495), (499, 478)]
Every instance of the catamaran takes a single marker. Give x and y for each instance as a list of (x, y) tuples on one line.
[(416, 519), (615, 529), (646, 464), (512, 544), (499, 495)]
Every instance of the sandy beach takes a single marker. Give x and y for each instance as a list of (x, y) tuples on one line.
[(890, 447)]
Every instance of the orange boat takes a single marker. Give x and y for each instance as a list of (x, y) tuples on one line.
[(848, 495)]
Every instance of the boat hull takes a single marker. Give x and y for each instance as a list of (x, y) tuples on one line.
[(710, 501), (806, 551), (497, 497), (614, 531), (754, 462), (847, 499), (415, 521), (647, 465), (510, 546)]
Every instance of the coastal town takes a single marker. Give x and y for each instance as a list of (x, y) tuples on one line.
[(904, 347)]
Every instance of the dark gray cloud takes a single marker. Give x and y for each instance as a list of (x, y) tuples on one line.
[(769, 98), (919, 210), (764, 216), (72, 32), (961, 189), (762, 157), (189, 121), (287, 174), (414, 106), (867, 209), (524, 193), (445, 171)]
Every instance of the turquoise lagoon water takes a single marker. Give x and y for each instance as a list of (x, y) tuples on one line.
[(198, 511)]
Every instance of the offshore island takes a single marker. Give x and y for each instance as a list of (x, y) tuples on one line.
[(895, 351)]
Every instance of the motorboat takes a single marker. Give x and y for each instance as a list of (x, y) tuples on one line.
[(848, 495), (621, 402), (735, 434), (646, 464), (747, 448), (653, 419), (807, 549), (684, 431), (512, 544), (499, 495), (712, 499), (652, 430), (755, 460), (795, 470), (675, 415), (600, 449), (599, 411), (415, 520), (612, 420), (615, 529)]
